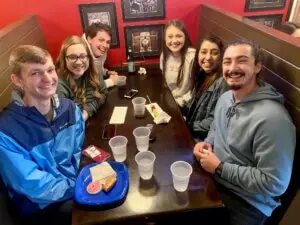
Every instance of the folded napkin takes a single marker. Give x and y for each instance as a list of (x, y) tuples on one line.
[(158, 114)]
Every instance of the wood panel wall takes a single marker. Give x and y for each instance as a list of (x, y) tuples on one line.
[(281, 69), (24, 31)]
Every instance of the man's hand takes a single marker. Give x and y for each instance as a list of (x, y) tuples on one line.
[(201, 147), (85, 115), (114, 79), (209, 161), (112, 73)]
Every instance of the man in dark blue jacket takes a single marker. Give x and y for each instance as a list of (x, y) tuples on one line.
[(40, 136)]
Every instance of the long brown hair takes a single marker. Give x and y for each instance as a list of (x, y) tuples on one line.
[(201, 84), (91, 72), (166, 52)]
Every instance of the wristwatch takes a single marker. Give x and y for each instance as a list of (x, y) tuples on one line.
[(219, 169)]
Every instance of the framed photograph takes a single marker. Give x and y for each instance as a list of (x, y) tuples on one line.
[(260, 5), (143, 9), (268, 20), (100, 12), (145, 41)]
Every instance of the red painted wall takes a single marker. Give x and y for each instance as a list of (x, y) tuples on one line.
[(60, 18)]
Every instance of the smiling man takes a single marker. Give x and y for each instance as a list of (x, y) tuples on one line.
[(250, 146), (98, 37), (40, 139)]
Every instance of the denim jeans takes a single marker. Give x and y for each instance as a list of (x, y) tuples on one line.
[(239, 211)]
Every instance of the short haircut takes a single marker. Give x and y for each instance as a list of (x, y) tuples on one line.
[(256, 50), (94, 28), (26, 54)]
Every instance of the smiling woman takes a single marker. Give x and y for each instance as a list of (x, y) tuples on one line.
[(208, 85), (176, 61), (79, 77)]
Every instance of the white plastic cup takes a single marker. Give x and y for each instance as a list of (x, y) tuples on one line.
[(121, 80), (181, 172), (118, 145), (139, 106), (141, 135), (145, 161)]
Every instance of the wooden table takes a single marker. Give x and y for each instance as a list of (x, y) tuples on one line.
[(154, 200)]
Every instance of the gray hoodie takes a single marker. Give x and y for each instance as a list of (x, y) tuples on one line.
[(256, 140)]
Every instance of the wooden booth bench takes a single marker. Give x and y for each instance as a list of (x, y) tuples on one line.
[(24, 31), (281, 69)]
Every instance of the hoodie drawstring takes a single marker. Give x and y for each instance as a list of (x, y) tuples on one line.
[(232, 110)]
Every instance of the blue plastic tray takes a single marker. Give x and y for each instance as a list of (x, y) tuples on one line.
[(117, 193)]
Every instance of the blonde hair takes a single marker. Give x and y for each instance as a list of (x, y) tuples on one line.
[(26, 54), (92, 71)]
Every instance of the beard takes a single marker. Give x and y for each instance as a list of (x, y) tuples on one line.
[(234, 87)]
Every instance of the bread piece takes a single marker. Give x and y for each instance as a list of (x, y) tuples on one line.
[(102, 171), (109, 183)]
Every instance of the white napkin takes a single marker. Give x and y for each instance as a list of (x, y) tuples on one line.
[(119, 114), (158, 114)]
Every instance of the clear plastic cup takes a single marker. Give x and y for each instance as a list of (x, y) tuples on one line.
[(145, 161), (141, 135), (181, 172), (121, 80), (118, 145), (139, 107)]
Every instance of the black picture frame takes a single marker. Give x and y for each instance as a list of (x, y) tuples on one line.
[(143, 10), (268, 20), (100, 12), (261, 5), (145, 41)]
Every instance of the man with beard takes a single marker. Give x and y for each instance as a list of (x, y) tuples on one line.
[(250, 146), (41, 137)]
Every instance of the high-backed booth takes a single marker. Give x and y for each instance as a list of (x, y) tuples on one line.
[(24, 31), (281, 69)]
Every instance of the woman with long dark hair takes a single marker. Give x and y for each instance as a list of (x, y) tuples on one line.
[(208, 85), (176, 61)]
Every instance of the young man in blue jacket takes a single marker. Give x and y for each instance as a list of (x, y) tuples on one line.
[(250, 146), (41, 137)]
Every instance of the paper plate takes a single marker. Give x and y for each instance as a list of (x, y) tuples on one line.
[(116, 194)]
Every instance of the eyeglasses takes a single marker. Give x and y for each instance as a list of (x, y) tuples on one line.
[(73, 58)]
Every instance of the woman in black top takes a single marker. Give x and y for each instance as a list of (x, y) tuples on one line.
[(208, 85)]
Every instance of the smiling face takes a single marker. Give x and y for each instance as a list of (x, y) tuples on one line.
[(209, 56), (239, 69), (174, 39), (77, 60), (100, 43), (38, 81)]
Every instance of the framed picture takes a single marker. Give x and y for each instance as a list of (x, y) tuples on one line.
[(145, 41), (268, 20), (257, 5), (143, 9), (100, 12)]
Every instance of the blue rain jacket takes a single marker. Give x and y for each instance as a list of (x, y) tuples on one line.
[(39, 160)]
